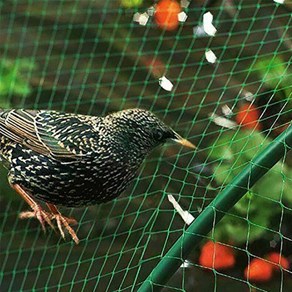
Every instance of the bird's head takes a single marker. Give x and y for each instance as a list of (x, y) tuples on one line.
[(145, 129)]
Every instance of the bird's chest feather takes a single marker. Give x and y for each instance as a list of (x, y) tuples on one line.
[(87, 181)]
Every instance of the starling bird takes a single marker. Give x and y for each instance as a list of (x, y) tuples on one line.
[(75, 160)]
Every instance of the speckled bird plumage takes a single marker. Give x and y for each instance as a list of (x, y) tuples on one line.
[(77, 160)]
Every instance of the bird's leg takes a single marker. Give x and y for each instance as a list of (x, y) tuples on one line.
[(38, 212), (62, 220)]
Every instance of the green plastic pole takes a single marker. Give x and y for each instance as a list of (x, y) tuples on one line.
[(222, 203)]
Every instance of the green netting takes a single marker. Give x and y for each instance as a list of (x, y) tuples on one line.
[(91, 57)]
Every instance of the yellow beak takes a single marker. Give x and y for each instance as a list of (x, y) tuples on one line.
[(179, 139), (185, 143)]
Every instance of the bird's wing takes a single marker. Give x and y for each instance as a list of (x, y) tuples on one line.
[(46, 132)]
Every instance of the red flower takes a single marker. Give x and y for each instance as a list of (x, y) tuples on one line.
[(166, 14), (259, 271), (279, 260), (217, 256), (248, 116)]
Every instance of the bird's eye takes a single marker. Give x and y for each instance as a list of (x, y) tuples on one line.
[(158, 136)]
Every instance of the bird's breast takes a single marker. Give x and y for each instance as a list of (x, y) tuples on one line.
[(78, 183)]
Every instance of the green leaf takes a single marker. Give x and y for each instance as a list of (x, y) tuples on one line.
[(250, 223), (252, 214), (223, 173), (273, 72), (13, 77), (231, 145)]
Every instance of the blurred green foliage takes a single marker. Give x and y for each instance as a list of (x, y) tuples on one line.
[(251, 217), (13, 82), (131, 3), (275, 74), (13, 79)]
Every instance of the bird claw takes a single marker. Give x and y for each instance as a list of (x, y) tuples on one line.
[(40, 214), (64, 221), (45, 217)]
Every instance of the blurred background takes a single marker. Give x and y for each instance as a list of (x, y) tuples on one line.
[(96, 57)]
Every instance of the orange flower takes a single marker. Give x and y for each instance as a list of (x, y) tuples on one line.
[(217, 256), (166, 14), (248, 116), (279, 260), (259, 271)]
